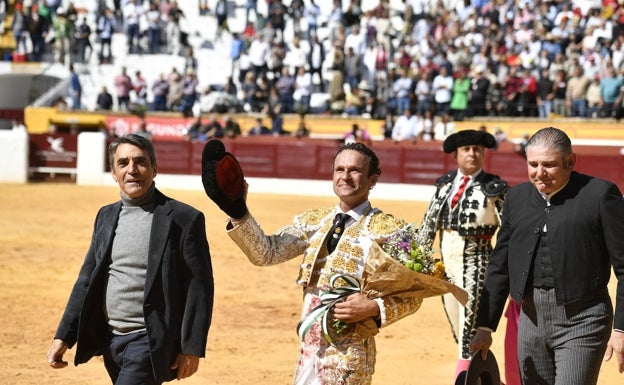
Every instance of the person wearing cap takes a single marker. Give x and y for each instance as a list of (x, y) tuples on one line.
[(465, 211), (560, 239)]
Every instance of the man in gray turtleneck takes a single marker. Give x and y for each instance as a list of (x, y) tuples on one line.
[(144, 295)]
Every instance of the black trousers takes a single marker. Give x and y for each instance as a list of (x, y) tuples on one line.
[(127, 360)]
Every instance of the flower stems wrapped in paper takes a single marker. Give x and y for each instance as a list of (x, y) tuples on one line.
[(383, 276), (399, 268)]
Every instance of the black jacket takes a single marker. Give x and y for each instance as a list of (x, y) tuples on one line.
[(179, 287), (585, 224)]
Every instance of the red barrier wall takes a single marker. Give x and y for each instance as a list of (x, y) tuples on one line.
[(421, 163)]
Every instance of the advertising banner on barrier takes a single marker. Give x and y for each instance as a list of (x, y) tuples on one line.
[(160, 127), (53, 150)]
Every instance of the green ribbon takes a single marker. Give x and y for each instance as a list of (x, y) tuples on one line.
[(328, 300)]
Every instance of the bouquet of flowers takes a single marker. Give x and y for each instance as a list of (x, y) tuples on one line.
[(404, 248), (399, 267)]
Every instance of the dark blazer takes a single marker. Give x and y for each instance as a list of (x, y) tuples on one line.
[(179, 287), (585, 224)]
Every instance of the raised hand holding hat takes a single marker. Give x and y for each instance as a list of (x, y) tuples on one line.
[(223, 179)]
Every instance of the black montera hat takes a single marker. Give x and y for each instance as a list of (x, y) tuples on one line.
[(480, 371), (223, 179), (467, 138)]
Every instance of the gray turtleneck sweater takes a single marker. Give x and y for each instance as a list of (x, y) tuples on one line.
[(126, 276)]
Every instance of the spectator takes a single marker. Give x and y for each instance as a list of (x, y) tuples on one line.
[(83, 41), (442, 87), (610, 92), (176, 91), (237, 46), (303, 90), (277, 122), (104, 100), (594, 100), (352, 67), (444, 127), (285, 87), (406, 127), (353, 102), (312, 13), (302, 131), (18, 27), (576, 94), (336, 85), (387, 126), (357, 135), (124, 86), (560, 105), (195, 130), (258, 54), (140, 90), (276, 13), (231, 128), (335, 22), (479, 88), (106, 26), (295, 12), (500, 136), (258, 129), (132, 12), (63, 31), (315, 59), (75, 89), (459, 98), (142, 131), (160, 90), (527, 102), (214, 100), (36, 30), (545, 94), (176, 37), (251, 5), (189, 92), (154, 28), (403, 88), (277, 54), (426, 127), (261, 94), (512, 86), (221, 13), (212, 129)]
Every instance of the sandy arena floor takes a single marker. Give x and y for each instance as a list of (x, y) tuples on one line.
[(45, 230)]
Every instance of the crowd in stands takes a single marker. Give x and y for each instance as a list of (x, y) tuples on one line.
[(445, 60)]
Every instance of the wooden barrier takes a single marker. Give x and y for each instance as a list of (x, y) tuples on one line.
[(420, 163)]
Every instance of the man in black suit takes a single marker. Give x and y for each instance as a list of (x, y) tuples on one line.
[(143, 298), (561, 234)]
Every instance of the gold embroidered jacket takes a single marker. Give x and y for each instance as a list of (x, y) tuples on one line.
[(306, 236)]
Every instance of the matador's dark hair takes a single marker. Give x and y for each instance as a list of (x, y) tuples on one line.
[(373, 161)]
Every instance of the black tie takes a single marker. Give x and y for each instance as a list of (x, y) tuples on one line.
[(336, 231)]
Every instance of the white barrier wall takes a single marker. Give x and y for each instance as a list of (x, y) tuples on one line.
[(13, 156), (91, 161)]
